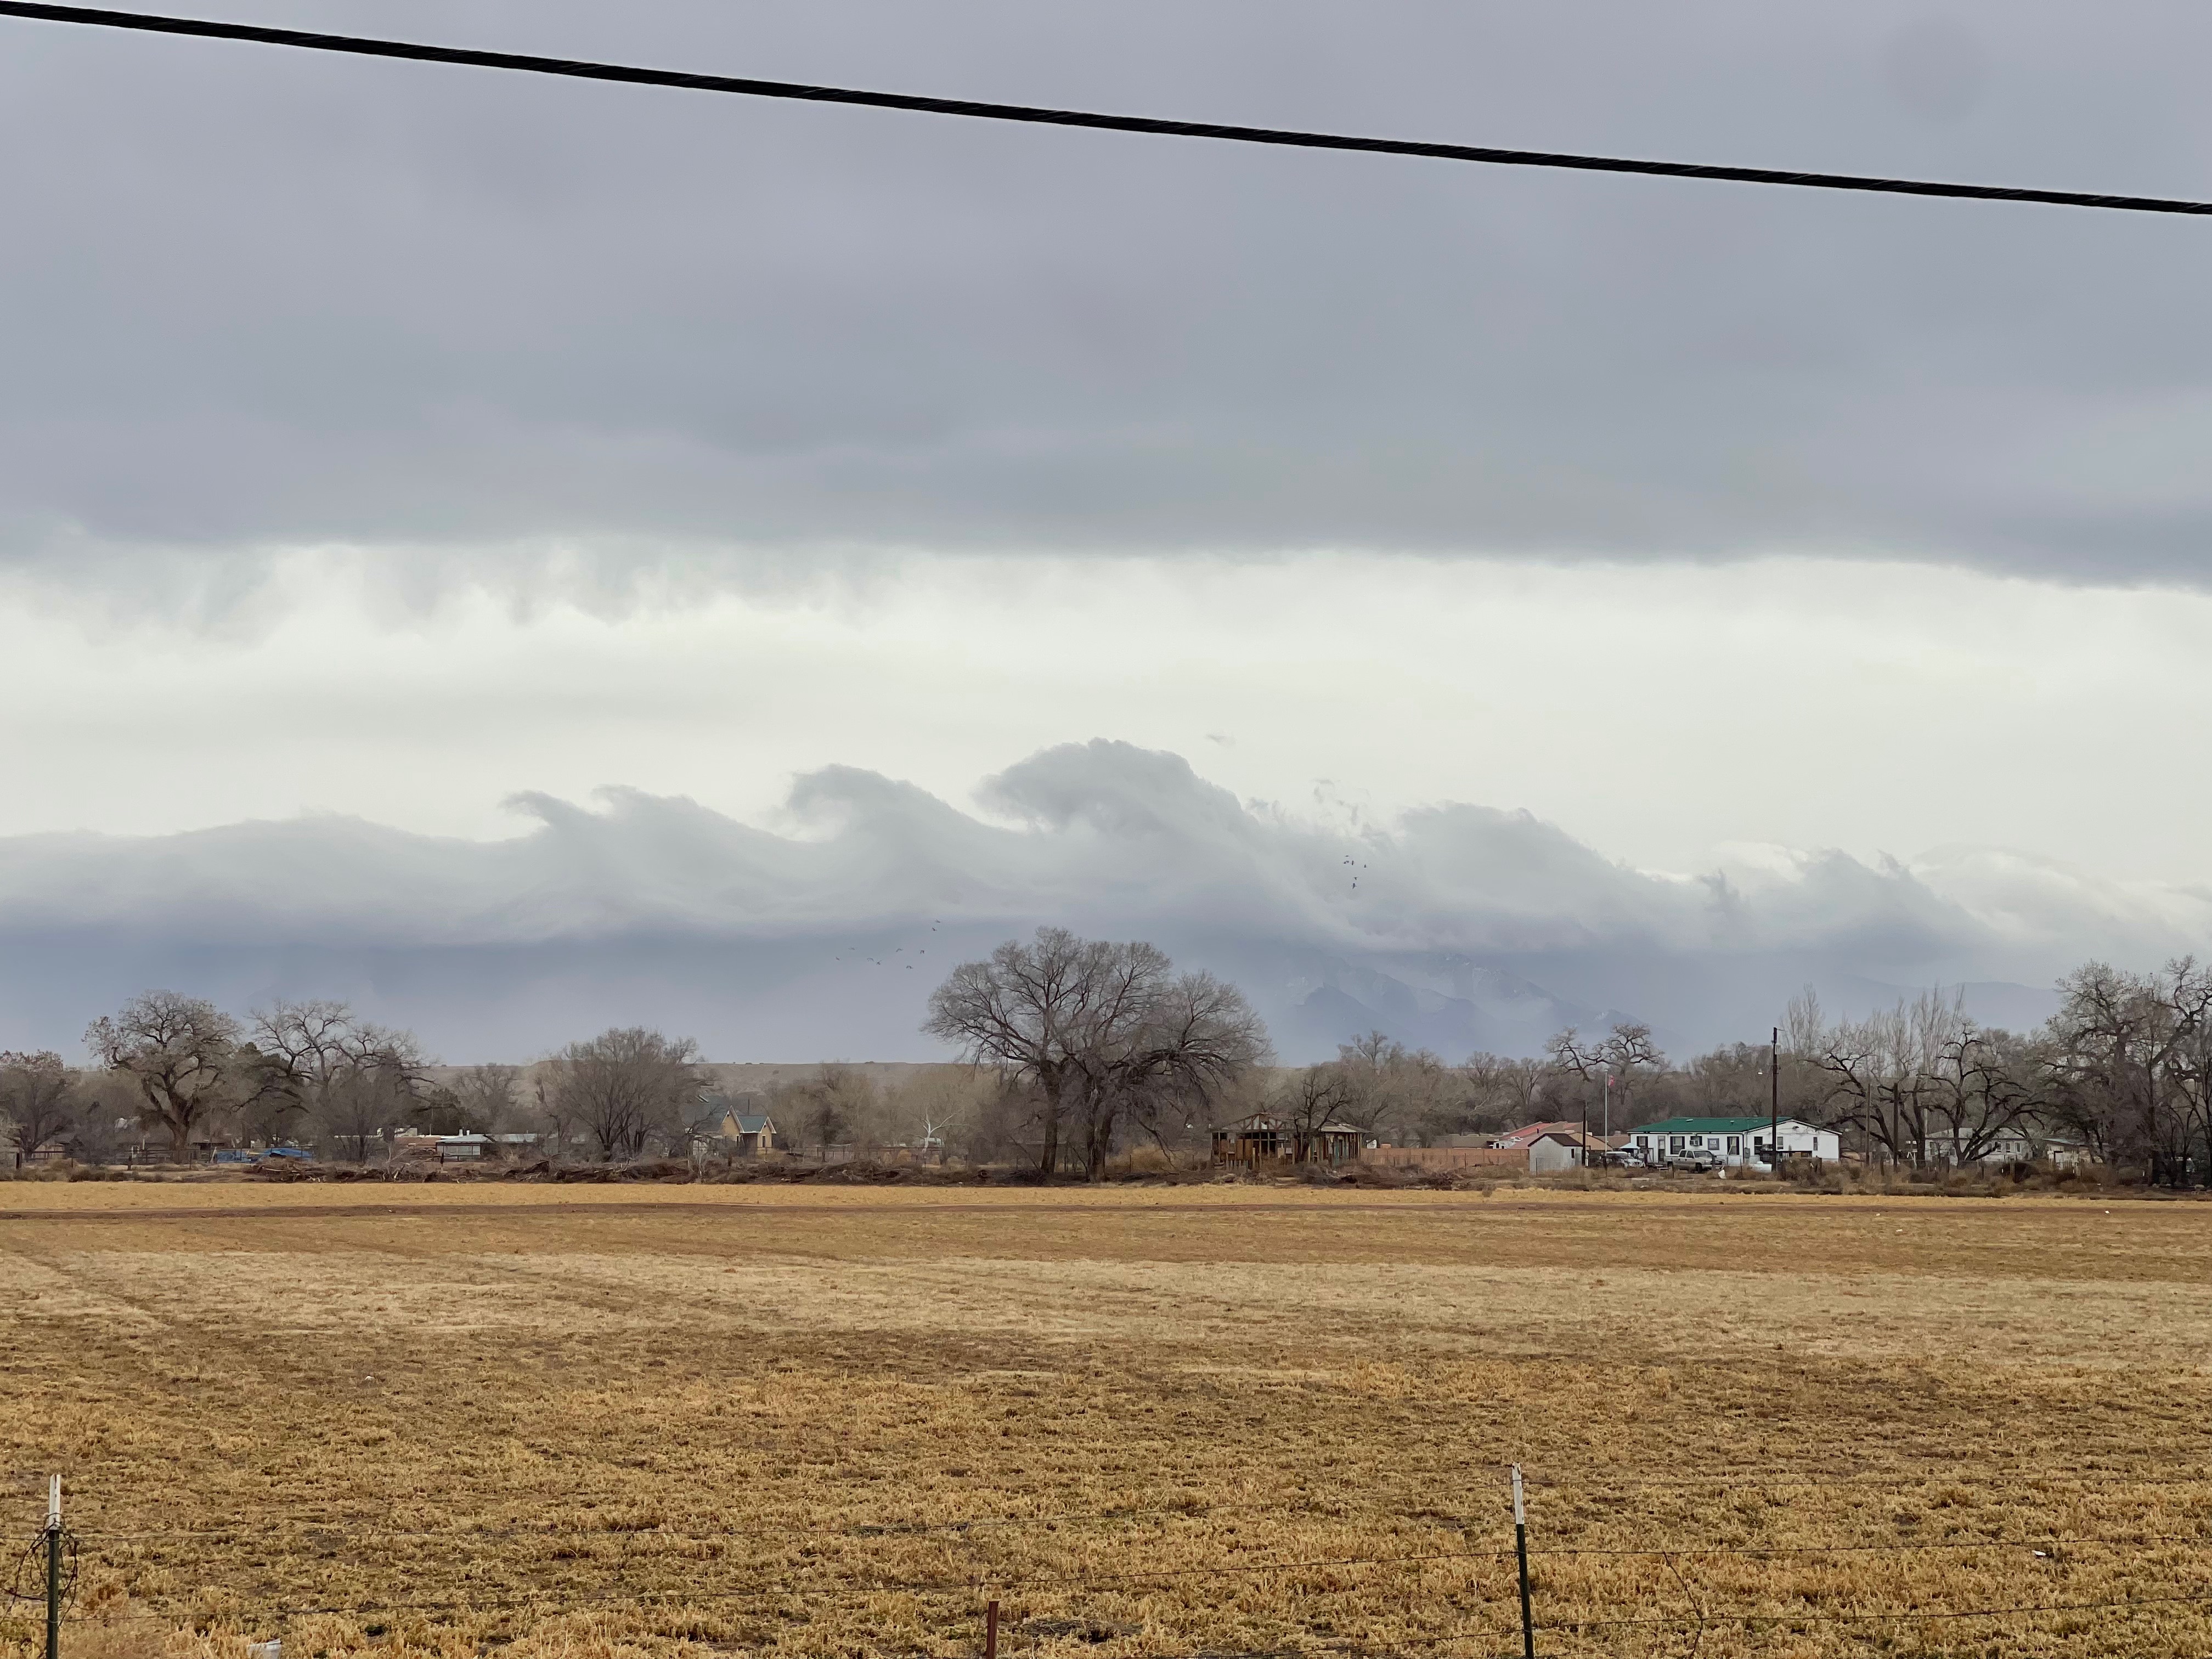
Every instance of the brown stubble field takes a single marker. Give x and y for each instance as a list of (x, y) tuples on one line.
[(600, 1421)]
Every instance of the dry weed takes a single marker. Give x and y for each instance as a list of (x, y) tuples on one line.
[(587, 1423)]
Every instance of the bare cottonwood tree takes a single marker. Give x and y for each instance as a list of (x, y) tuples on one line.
[(837, 1104), (1615, 1067), (179, 1051), (1409, 1091), (1927, 1084), (1028, 1011), (1311, 1100), (38, 1097), (1197, 1039), (1099, 1031), (1501, 1092), (628, 1087), (485, 1095), (354, 1080), (2129, 1060)]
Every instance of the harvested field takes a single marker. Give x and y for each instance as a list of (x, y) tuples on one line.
[(586, 1422)]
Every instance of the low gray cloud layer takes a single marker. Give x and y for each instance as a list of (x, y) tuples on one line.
[(1457, 925), (252, 297)]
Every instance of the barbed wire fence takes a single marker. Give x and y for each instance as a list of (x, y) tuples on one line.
[(50, 1558), (48, 1566)]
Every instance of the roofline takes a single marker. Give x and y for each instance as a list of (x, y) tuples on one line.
[(1722, 1124)]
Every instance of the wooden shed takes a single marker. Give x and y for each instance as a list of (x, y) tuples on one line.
[(1268, 1138)]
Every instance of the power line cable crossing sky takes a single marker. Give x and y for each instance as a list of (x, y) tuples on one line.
[(631, 75)]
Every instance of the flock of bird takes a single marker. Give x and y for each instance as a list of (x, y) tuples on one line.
[(855, 954)]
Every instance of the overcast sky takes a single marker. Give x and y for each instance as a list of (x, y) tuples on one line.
[(388, 441)]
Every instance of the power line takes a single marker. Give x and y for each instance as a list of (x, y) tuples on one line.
[(631, 75)]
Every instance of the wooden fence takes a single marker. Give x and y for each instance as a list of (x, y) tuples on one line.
[(1446, 1157)]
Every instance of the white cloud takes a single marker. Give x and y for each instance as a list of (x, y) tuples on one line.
[(1104, 836), (1650, 712)]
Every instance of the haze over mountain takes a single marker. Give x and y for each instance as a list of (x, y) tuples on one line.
[(1456, 926)]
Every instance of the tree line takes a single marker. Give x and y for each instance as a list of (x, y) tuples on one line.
[(1097, 1046), (1082, 1051), (183, 1073)]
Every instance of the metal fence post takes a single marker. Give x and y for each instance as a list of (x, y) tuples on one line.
[(54, 1568), (1521, 1550)]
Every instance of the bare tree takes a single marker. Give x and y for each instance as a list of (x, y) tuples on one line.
[(1804, 1026), (1502, 1093), (1385, 1084), (1614, 1066), (1878, 1065), (628, 1087), (1031, 1010), (104, 1105), (1311, 1099), (941, 1109), (354, 1080), (38, 1097), (1099, 1031), (2128, 1061), (837, 1104), (1197, 1040), (485, 1095), (2188, 993), (179, 1051), (1927, 1084), (269, 1102), (1384, 1081)]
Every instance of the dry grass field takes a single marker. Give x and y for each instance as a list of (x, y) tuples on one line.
[(589, 1422)]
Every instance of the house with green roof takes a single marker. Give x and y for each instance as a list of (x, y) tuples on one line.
[(1734, 1142)]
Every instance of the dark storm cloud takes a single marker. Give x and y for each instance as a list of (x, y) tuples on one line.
[(249, 296)]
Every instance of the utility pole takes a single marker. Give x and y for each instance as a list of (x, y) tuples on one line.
[(1774, 1103), (1521, 1549), (54, 1568)]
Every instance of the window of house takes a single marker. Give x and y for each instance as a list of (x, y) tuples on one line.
[(1697, 1140), (1674, 1142), (1735, 1143)]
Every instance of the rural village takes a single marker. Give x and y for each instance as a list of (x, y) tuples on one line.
[(1087, 1060)]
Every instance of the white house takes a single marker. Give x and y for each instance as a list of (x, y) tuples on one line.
[(2019, 1145), (1734, 1142)]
